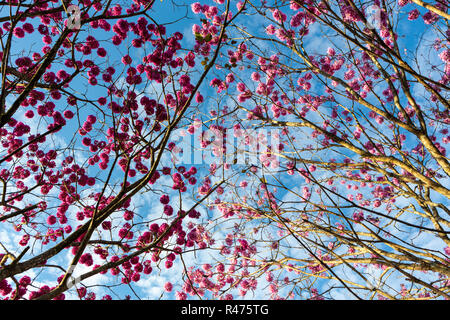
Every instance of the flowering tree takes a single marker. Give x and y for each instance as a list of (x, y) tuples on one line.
[(85, 129), (322, 140), (342, 118)]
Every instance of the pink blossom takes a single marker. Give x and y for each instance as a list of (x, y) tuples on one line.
[(196, 7), (413, 14), (445, 56), (168, 287), (126, 59), (279, 16)]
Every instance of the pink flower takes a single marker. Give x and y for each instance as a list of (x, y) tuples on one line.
[(91, 119), (358, 216), (256, 76), (56, 94), (106, 225), (168, 287), (135, 277), (377, 203), (413, 15), (101, 52), (68, 114), (229, 78), (47, 39), (86, 259), (28, 27), (270, 30), (19, 33), (430, 17), (196, 7), (86, 141), (241, 87), (106, 77), (126, 59), (164, 199), (212, 11), (51, 220), (199, 98), (279, 16), (294, 6), (29, 114), (25, 281)]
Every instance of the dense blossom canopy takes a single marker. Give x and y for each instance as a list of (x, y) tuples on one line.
[(224, 149)]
